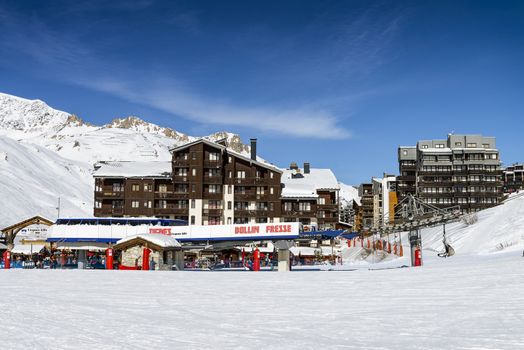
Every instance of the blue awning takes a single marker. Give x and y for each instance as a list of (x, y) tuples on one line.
[(349, 235), (328, 234)]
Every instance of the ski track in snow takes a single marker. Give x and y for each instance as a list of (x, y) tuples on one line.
[(467, 303)]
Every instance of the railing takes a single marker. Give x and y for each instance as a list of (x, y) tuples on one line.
[(164, 195), (212, 212), (212, 179), (180, 178)]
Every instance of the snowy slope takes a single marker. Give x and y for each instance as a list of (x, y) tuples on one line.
[(497, 229), (33, 178)]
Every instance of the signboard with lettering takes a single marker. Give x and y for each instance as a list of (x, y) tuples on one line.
[(33, 233), (288, 230)]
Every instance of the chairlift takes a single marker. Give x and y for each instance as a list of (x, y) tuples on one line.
[(448, 249)]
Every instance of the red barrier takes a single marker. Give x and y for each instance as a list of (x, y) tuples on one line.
[(389, 247), (145, 259), (7, 259), (109, 258), (62, 259), (369, 244), (124, 267), (395, 249), (256, 260), (418, 257), (401, 251)]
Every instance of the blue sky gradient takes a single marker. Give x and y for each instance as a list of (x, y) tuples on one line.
[(340, 84)]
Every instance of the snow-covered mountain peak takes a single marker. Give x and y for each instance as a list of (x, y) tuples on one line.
[(23, 118)]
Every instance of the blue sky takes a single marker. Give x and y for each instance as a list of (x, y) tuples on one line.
[(340, 84)]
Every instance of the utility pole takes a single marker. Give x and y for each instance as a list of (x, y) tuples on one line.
[(58, 208)]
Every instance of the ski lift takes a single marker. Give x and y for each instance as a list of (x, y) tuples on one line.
[(448, 249)]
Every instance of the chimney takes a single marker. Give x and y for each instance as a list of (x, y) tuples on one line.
[(306, 168), (293, 166), (254, 149)]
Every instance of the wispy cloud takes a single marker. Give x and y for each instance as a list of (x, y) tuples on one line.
[(65, 57)]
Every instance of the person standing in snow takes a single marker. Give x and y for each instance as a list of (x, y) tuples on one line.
[(152, 264)]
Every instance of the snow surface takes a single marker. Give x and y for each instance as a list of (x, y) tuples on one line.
[(348, 194), (465, 303)]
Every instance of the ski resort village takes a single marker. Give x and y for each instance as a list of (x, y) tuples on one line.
[(261, 174), (132, 195)]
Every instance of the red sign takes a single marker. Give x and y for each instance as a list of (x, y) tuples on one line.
[(251, 229), (161, 231)]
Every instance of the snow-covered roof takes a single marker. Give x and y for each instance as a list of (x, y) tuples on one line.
[(132, 169), (259, 160), (164, 241), (296, 184)]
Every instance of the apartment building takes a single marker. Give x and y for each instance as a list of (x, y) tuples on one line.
[(364, 220), (384, 200), (133, 189), (461, 170), (513, 178), (310, 196), (219, 186), (206, 183)]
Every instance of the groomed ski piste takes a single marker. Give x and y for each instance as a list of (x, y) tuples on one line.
[(473, 300)]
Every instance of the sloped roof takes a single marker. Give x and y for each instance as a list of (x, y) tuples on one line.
[(160, 240), (260, 161), (306, 185), (133, 169)]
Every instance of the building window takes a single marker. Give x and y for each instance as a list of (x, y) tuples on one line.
[(321, 214), (261, 220), (405, 152), (260, 190), (162, 204), (472, 145), (230, 159), (321, 201), (148, 204), (271, 174), (241, 174), (193, 171), (192, 219), (162, 188), (229, 205), (214, 188), (181, 172), (439, 145), (135, 204), (192, 204), (148, 188), (304, 206), (193, 188), (214, 156), (230, 174), (271, 190), (118, 187), (424, 146), (229, 221), (458, 144), (98, 204), (288, 206), (214, 220), (229, 189), (485, 145), (135, 187)]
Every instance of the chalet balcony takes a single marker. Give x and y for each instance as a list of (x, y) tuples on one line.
[(180, 195), (164, 195), (180, 178), (213, 179), (212, 196), (109, 194), (407, 178), (184, 163), (245, 196), (212, 163), (294, 213), (212, 212), (328, 207)]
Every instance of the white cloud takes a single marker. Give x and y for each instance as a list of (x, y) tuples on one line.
[(64, 57)]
